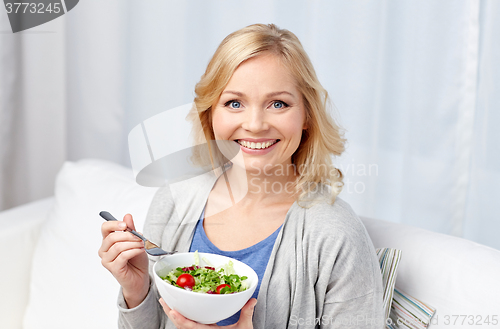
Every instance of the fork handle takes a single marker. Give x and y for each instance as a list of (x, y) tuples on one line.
[(107, 216)]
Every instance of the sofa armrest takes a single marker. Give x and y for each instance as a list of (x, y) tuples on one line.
[(19, 230)]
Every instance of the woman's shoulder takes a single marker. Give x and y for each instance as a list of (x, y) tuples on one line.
[(334, 220), (339, 212), (336, 233)]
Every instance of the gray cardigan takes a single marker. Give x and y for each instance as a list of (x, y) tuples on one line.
[(322, 273)]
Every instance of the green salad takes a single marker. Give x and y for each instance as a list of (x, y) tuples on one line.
[(207, 279)]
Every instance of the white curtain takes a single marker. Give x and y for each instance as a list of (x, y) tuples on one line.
[(32, 111), (414, 84)]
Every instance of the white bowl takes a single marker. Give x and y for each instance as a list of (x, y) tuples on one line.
[(200, 307)]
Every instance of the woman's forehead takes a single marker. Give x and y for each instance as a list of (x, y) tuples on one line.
[(265, 71)]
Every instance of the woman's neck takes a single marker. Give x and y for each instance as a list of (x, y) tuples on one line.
[(267, 186)]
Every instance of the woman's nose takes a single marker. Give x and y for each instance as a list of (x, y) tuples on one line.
[(255, 120)]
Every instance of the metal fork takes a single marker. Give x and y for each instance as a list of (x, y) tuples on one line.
[(150, 247)]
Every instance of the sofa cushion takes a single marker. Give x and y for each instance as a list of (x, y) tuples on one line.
[(67, 275), (19, 229)]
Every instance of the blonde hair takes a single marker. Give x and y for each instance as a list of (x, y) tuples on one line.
[(320, 140)]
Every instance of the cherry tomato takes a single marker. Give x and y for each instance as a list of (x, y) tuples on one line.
[(185, 280), (219, 288)]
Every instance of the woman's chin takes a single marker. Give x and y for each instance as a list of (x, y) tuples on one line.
[(259, 168)]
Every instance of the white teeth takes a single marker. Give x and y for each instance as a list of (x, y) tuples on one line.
[(256, 146)]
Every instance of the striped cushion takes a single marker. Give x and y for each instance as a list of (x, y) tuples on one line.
[(409, 312), (389, 262), (401, 310)]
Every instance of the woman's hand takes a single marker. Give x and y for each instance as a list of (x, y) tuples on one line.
[(245, 321), (124, 256)]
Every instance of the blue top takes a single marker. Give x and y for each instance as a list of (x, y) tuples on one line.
[(256, 256)]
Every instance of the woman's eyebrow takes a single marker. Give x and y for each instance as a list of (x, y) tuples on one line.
[(273, 94), (277, 93), (237, 93)]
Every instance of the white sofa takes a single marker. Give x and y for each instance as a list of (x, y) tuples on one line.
[(51, 276)]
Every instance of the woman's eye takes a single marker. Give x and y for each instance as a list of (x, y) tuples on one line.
[(233, 104), (279, 104)]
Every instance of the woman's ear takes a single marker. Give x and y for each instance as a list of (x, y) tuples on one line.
[(305, 126)]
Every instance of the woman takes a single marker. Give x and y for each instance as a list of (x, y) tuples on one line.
[(274, 207)]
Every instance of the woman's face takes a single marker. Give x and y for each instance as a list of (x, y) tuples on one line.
[(262, 110)]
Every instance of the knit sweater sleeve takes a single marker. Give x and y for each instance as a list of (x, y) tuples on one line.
[(364, 312), (148, 314), (353, 297)]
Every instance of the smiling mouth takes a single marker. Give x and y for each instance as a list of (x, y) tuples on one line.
[(256, 146)]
